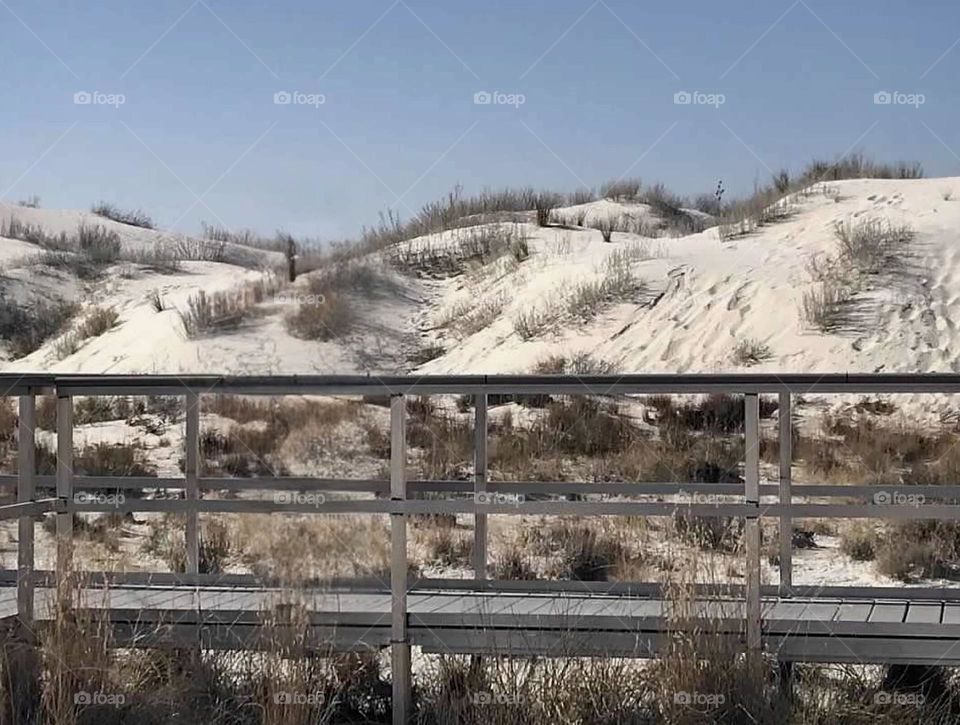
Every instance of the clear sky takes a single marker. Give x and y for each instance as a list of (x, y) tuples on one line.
[(587, 93)]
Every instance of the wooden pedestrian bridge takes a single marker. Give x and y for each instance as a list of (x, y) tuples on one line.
[(477, 616)]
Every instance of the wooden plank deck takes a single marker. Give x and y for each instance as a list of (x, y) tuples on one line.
[(515, 623)]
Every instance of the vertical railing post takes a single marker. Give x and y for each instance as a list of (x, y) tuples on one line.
[(480, 485), (752, 528), (786, 498), (191, 473), (399, 642), (65, 484), (26, 491)]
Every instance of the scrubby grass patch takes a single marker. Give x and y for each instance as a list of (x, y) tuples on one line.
[(96, 322), (27, 326), (166, 541), (870, 245), (130, 217), (751, 352), (327, 312), (867, 248), (467, 248), (226, 309), (860, 541), (772, 203)]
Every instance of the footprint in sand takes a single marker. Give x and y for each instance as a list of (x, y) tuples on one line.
[(737, 298)]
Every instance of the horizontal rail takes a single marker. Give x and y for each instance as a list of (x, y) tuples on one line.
[(32, 508), (803, 383), (555, 488), (414, 507)]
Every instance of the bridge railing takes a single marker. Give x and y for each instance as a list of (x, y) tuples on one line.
[(393, 497)]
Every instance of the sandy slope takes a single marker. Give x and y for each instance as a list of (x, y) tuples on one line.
[(701, 296)]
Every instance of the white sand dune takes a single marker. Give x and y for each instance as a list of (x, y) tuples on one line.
[(701, 295)]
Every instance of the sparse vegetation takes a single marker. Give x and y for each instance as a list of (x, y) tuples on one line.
[(606, 227), (751, 352), (870, 245), (26, 327), (225, 309), (860, 541), (96, 322), (545, 204), (133, 217), (476, 246), (772, 203), (325, 312), (621, 189)]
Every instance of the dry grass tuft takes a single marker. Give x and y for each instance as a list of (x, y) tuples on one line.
[(132, 217)]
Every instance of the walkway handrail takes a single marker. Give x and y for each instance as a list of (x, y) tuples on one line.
[(396, 497)]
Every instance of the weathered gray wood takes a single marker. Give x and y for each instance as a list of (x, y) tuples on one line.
[(480, 485), (30, 508), (853, 612), (888, 612), (797, 383), (191, 472), (26, 492), (924, 613), (951, 613), (401, 674), (752, 529), (64, 482), (786, 498)]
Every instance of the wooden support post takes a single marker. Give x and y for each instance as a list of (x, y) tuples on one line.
[(65, 484), (785, 675), (26, 491), (752, 528), (480, 485), (191, 472), (399, 642), (786, 498)]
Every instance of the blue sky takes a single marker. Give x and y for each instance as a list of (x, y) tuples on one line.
[(199, 136)]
